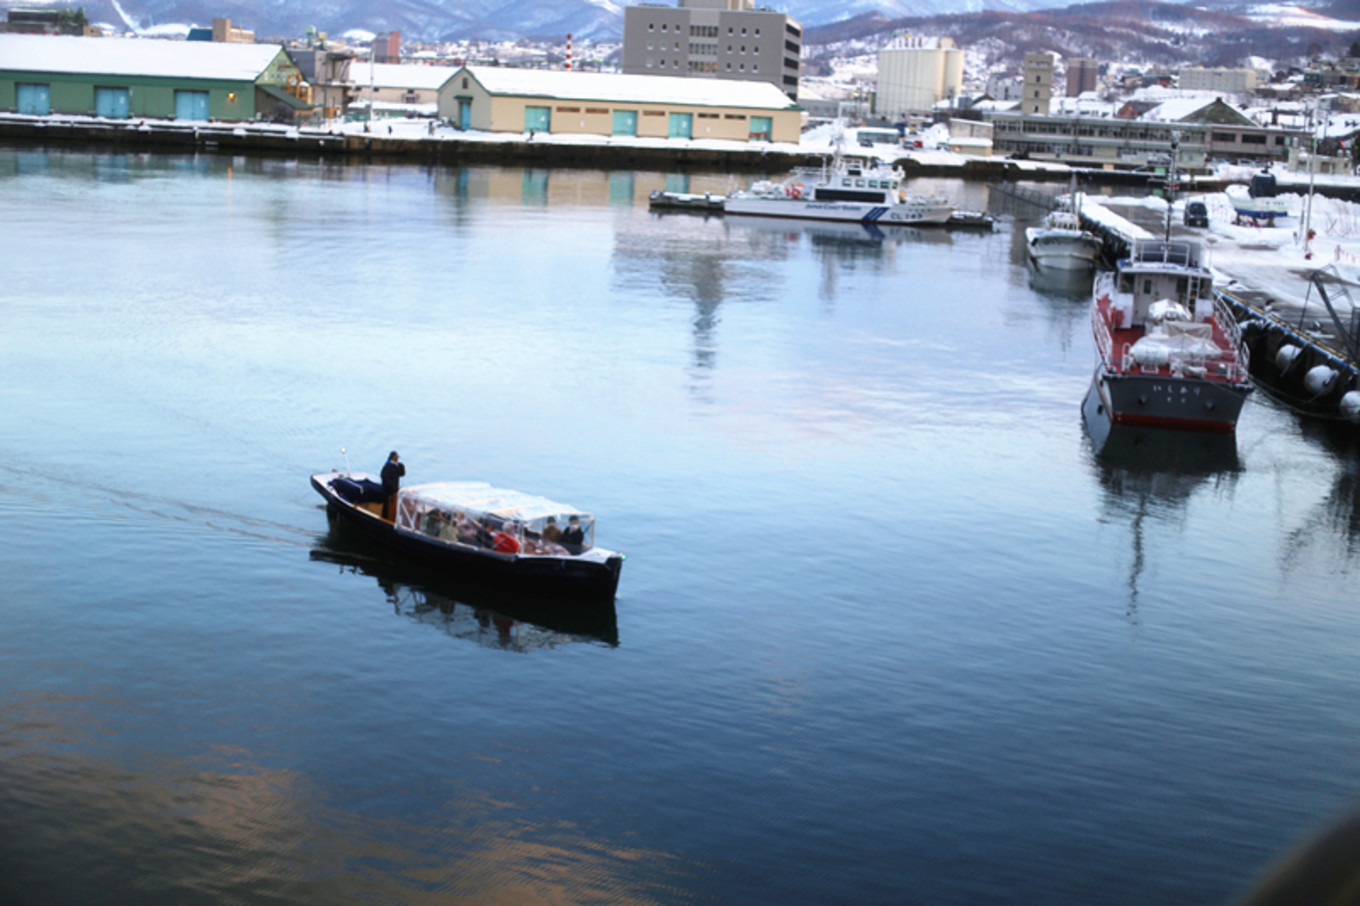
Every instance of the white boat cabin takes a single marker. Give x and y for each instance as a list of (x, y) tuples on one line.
[(1158, 270)]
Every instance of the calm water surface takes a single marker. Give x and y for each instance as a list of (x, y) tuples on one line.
[(892, 627)]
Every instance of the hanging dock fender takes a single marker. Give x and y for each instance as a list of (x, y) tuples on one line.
[(1286, 356), (1319, 379), (1350, 406)]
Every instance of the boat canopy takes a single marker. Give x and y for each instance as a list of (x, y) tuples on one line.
[(475, 514), (477, 498)]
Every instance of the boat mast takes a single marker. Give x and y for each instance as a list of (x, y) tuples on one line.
[(1171, 182)]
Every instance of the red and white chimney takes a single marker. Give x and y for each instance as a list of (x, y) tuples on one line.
[(568, 50)]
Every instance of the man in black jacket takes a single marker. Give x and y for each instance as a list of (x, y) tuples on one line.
[(392, 471)]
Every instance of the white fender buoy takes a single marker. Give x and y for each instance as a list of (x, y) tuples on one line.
[(1319, 379), (1350, 405), (1286, 356)]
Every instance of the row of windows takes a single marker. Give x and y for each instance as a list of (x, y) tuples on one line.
[(710, 31), (606, 110), (1246, 139), (704, 49), (697, 66)]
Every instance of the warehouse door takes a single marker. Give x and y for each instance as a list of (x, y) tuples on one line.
[(625, 122), (465, 113), (537, 119), (112, 103), (682, 125), (191, 105), (760, 129), (34, 100)]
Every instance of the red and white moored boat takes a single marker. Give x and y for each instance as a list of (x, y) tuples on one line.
[(1170, 354)]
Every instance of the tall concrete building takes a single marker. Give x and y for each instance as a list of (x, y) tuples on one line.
[(915, 72), (1081, 75), (716, 39), (1038, 91)]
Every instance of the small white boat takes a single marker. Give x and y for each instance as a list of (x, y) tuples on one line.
[(686, 201), (847, 189), (1251, 207), (1061, 243)]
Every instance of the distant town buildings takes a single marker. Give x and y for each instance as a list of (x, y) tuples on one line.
[(716, 39), (915, 72), (1038, 84), (48, 21), (222, 32), (1082, 74), (387, 47), (1227, 81)]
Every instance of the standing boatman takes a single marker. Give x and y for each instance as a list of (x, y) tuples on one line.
[(392, 471)]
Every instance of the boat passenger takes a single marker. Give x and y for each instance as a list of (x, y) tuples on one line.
[(550, 531), (392, 471), (574, 537), (504, 541)]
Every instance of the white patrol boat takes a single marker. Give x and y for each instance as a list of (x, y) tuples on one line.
[(848, 189)]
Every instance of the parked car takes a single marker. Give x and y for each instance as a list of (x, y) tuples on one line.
[(1196, 214)]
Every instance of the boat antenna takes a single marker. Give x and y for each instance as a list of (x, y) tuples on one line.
[(345, 453)]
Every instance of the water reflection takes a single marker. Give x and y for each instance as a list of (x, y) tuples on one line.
[(1338, 513), (473, 612), (1060, 283), (1149, 472)]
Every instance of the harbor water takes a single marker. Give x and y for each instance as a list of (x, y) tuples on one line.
[(895, 624)]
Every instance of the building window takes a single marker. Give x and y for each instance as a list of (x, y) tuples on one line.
[(743, 48), (755, 49), (729, 67), (742, 67), (649, 62), (729, 29), (649, 45), (743, 31), (757, 33), (651, 26), (755, 67)]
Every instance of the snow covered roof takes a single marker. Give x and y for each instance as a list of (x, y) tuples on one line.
[(135, 57), (1174, 110), (566, 85), (390, 75)]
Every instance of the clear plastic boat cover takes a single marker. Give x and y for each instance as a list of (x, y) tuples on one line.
[(473, 513), (481, 499)]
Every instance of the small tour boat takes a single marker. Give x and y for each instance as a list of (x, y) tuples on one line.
[(844, 189), (1061, 243), (1170, 354), (470, 527)]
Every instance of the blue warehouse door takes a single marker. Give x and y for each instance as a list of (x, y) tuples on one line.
[(34, 100), (191, 105), (465, 113), (760, 128), (625, 122), (682, 125), (112, 103), (537, 119)]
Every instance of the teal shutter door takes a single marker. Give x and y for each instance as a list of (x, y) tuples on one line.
[(112, 103), (537, 119), (625, 122), (33, 100), (682, 125), (760, 128), (465, 113), (191, 105)]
